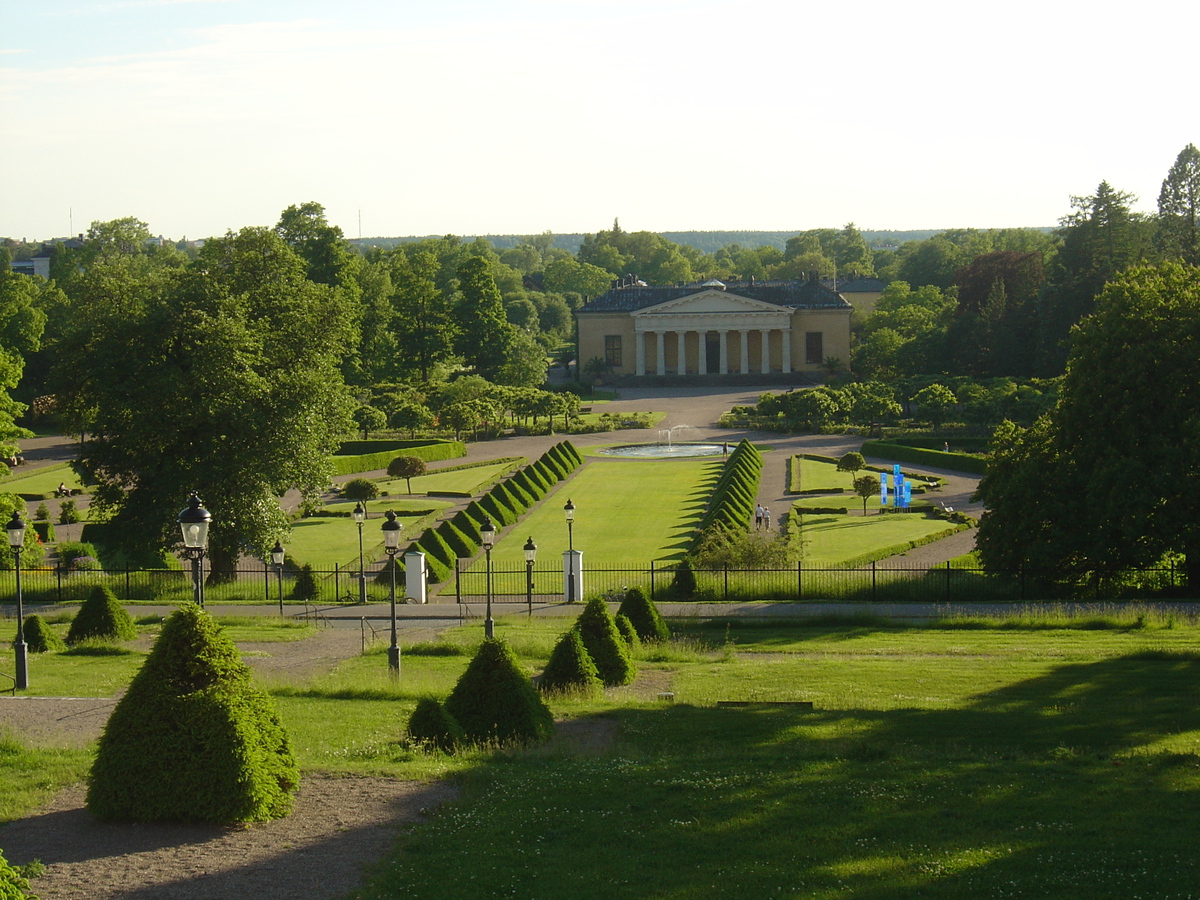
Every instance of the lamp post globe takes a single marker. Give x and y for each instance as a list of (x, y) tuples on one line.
[(569, 512), (194, 522), (360, 516), (277, 558), (391, 544), (16, 540), (487, 533), (530, 549)]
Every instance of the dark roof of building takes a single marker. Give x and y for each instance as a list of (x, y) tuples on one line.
[(795, 294), (863, 286)]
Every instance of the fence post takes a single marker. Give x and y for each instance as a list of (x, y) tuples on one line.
[(266, 582), (127, 597), (337, 587), (651, 581), (872, 581), (947, 581), (458, 580), (58, 578), (799, 581), (726, 582)]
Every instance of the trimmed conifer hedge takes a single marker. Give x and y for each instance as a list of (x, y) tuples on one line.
[(430, 727), (627, 631), (494, 701), (40, 637), (604, 644), (643, 614), (192, 740), (460, 545), (101, 618), (467, 526), (570, 669), (497, 510)]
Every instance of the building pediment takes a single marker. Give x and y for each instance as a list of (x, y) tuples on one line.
[(709, 302)]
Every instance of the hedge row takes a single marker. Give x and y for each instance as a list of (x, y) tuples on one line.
[(959, 462), (345, 463), (732, 502), (459, 537)]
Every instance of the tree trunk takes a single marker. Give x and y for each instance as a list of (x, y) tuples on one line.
[(222, 563)]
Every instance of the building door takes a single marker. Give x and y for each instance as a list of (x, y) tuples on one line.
[(712, 352)]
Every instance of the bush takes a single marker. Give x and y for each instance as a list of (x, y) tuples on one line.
[(570, 669), (467, 527), (604, 644), (192, 740), (67, 513), (101, 617), (459, 543), (306, 587), (494, 701), (627, 631), (39, 637), (430, 727), (683, 585), (42, 513), (643, 615), (45, 532), (13, 885), (360, 489)]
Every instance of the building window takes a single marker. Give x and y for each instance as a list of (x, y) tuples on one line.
[(612, 350), (813, 348)]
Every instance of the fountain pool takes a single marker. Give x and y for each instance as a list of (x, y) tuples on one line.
[(664, 451)]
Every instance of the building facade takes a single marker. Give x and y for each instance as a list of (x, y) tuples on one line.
[(765, 328)]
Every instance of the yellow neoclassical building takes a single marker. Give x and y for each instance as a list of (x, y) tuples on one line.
[(749, 329)]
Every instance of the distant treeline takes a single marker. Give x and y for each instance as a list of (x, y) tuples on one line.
[(704, 241)]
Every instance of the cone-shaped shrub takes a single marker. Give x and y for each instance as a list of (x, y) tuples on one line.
[(538, 476), (476, 513), (39, 637), (192, 740), (506, 495), (570, 669), (643, 615), (684, 582), (430, 727), (604, 644), (384, 576), (495, 701), (436, 568), (499, 512), (468, 527), (627, 631), (571, 453), (101, 618), (545, 473), (458, 542), (519, 493), (306, 587)]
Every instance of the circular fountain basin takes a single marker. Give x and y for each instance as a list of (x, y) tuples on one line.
[(663, 451)]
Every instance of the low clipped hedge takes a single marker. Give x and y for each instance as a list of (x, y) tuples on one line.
[(495, 702), (367, 456), (101, 618), (604, 644), (460, 544), (497, 510), (570, 669), (192, 740), (958, 462)]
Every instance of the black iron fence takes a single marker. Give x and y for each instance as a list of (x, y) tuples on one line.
[(874, 583)]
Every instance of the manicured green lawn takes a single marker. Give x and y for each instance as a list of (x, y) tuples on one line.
[(324, 542), (627, 512), (816, 475), (469, 480), (830, 539), (1043, 756), (41, 482)]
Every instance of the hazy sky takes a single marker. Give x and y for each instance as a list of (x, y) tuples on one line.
[(503, 116)]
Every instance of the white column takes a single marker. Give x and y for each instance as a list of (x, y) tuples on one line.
[(702, 351), (724, 352), (765, 351), (681, 353), (787, 350), (661, 350), (745, 352), (639, 347)]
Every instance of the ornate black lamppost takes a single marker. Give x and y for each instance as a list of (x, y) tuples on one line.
[(530, 554), (16, 540), (487, 531), (360, 516), (391, 544), (277, 558), (569, 511), (194, 522)]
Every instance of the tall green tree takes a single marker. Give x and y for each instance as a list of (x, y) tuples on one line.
[(21, 325), (423, 324), (1111, 479), (223, 380), (484, 335), (1178, 204)]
